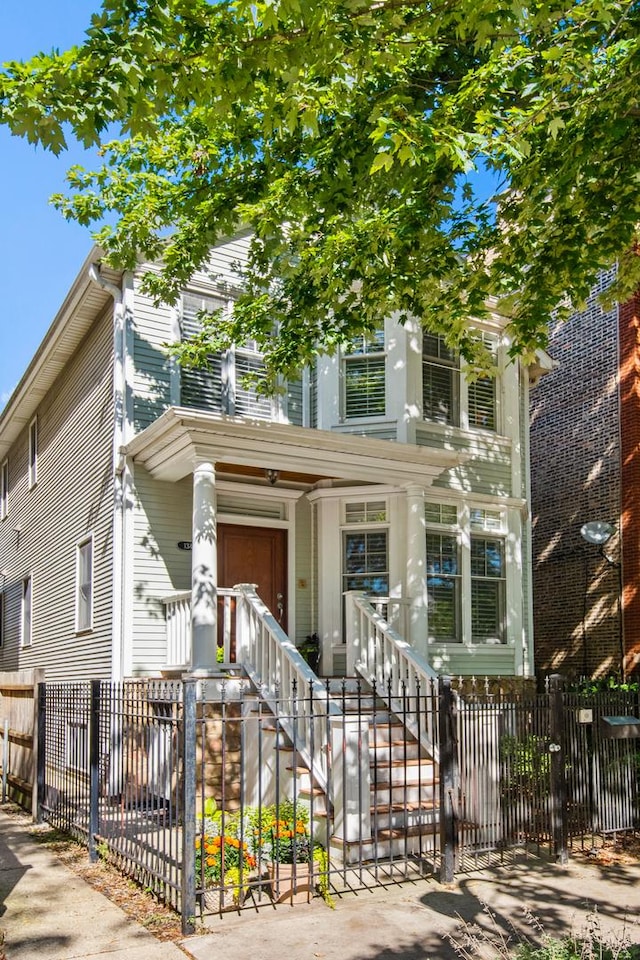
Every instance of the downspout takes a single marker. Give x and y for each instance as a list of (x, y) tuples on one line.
[(119, 469)]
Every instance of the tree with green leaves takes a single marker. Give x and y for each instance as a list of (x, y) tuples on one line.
[(347, 137)]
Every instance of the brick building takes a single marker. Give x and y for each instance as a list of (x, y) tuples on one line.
[(585, 443)]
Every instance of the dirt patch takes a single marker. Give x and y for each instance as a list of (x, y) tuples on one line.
[(609, 851)]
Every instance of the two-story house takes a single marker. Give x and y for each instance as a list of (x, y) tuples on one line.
[(133, 493)]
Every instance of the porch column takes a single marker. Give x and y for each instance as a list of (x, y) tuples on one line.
[(417, 570), (204, 571)]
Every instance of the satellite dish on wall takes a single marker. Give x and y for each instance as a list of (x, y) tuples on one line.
[(597, 532)]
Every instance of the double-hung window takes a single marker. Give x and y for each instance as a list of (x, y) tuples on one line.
[(444, 573), (440, 381), (450, 398), (229, 382), (488, 578), (84, 585), (4, 489), (466, 574), (365, 564), (364, 373)]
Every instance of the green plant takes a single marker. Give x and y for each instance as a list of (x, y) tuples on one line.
[(280, 833), (321, 860)]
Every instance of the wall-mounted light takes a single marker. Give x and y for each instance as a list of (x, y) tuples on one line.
[(272, 476), (598, 533)]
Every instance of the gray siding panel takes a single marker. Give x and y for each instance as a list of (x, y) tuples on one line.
[(152, 329), (73, 497)]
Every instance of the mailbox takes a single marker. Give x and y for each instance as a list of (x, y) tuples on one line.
[(619, 728)]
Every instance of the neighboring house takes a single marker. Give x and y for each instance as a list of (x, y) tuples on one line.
[(585, 437), (383, 469)]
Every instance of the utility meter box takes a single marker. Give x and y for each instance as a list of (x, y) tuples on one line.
[(619, 728)]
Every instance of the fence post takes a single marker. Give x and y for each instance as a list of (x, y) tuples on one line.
[(448, 778), (41, 750), (188, 880), (557, 782), (94, 767)]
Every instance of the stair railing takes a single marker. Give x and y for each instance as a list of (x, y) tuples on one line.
[(402, 677), (277, 668)]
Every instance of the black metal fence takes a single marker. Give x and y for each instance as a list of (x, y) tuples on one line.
[(200, 790)]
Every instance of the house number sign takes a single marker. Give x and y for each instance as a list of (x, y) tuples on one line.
[(184, 544)]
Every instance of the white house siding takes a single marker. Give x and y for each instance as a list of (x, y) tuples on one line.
[(151, 329), (162, 519), (72, 498)]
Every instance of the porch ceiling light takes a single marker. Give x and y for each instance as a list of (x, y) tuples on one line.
[(272, 476)]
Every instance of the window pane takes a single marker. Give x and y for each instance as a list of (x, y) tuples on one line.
[(438, 401), (200, 387), (248, 402), (366, 562), (482, 403), (364, 387), (486, 611), (443, 588), (487, 557), (440, 513)]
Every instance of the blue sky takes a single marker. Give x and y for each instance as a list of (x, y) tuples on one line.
[(40, 253)]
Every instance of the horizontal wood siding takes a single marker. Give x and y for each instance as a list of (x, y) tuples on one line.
[(152, 328), (162, 520), (460, 660), (488, 469), (72, 498)]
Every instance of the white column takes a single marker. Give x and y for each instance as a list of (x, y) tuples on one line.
[(204, 571), (417, 570)]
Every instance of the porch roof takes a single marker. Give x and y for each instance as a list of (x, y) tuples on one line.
[(171, 447)]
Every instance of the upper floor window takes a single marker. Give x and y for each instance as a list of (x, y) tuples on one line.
[(27, 611), (364, 365), (4, 489), (84, 585), (229, 382), (449, 398), (33, 452), (440, 380)]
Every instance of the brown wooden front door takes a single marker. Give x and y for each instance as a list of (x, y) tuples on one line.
[(255, 555)]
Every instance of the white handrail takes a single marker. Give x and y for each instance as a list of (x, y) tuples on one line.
[(401, 676), (277, 668), (178, 626)]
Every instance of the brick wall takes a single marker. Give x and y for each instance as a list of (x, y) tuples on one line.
[(629, 332), (576, 477)]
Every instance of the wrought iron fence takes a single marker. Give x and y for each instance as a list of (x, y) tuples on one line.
[(200, 789)]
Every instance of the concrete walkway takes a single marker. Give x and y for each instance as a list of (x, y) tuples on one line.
[(49, 913)]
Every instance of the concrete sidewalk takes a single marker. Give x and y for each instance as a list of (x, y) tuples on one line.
[(411, 921), (49, 913)]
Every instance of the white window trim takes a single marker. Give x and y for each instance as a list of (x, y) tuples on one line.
[(33, 452), (23, 641), (461, 388), (4, 489), (79, 545), (345, 359), (464, 532)]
